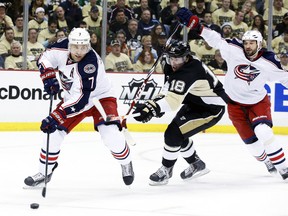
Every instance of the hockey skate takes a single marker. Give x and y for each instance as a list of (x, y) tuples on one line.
[(39, 178), (127, 173), (195, 170), (284, 174), (161, 176), (270, 167)]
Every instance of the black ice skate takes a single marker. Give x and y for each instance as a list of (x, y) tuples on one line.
[(284, 174), (127, 173), (195, 170), (39, 178), (161, 176), (270, 167)]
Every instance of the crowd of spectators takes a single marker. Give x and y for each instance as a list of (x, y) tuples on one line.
[(137, 30)]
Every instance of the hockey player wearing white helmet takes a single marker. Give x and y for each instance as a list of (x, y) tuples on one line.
[(249, 68), (83, 77)]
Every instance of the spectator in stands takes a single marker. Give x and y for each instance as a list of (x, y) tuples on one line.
[(73, 13), (39, 21), (18, 29), (145, 63), (83, 24), (33, 7), (146, 23), (218, 65), (259, 24), (155, 34), (60, 34), (280, 43), (117, 61), (47, 36), (5, 20), (121, 37), (156, 7), (61, 20), (95, 43), (168, 14), (15, 60), (249, 13), (280, 27), (284, 59), (133, 33), (226, 30), (120, 5), (206, 53), (207, 21), (223, 14), (5, 44), (278, 13), (120, 22), (237, 23), (146, 46), (93, 21), (143, 5), (161, 42), (34, 48), (199, 10), (86, 9)]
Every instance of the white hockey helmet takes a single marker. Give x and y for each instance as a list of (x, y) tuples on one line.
[(79, 36), (253, 35)]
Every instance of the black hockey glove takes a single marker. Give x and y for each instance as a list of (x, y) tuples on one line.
[(147, 110), (51, 84), (53, 121)]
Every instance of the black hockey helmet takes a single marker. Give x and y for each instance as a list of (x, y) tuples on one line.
[(178, 49)]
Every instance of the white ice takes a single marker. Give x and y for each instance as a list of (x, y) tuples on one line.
[(88, 181)]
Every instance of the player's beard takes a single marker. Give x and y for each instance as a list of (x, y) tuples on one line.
[(250, 52)]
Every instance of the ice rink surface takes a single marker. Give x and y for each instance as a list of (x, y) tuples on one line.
[(88, 181)]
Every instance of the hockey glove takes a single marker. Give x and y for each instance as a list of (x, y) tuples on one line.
[(147, 111), (186, 17), (53, 121), (51, 84)]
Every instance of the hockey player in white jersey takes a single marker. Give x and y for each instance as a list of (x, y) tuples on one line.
[(83, 77), (249, 67)]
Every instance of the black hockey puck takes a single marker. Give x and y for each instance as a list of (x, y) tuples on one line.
[(34, 205)]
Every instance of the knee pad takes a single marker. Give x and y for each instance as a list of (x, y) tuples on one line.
[(173, 136), (264, 133), (111, 135)]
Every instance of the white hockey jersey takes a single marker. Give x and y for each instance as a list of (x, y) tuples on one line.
[(245, 79), (80, 81)]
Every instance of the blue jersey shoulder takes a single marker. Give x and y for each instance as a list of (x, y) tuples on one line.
[(61, 44), (270, 56), (88, 66)]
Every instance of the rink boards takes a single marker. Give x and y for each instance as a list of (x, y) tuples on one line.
[(24, 103)]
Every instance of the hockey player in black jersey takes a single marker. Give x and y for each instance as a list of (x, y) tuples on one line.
[(191, 85)]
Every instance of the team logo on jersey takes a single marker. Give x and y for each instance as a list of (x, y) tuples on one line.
[(66, 82), (129, 92), (89, 68), (246, 72)]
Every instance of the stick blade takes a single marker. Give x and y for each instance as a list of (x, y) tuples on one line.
[(44, 192)]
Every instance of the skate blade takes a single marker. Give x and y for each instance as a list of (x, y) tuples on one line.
[(198, 174), (37, 187), (153, 183)]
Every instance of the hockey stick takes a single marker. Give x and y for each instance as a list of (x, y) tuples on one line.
[(110, 118), (151, 71), (47, 153)]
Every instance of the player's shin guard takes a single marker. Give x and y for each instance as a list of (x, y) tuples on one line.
[(115, 141), (273, 149), (257, 150)]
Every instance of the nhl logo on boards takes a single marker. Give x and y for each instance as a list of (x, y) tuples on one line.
[(129, 92), (89, 68)]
